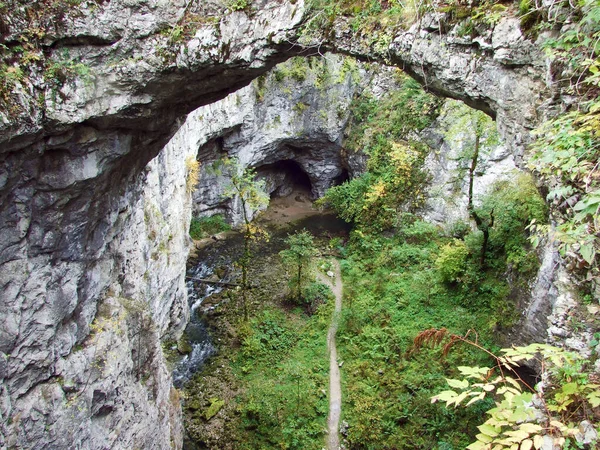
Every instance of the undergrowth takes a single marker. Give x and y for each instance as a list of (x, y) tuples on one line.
[(284, 365), (202, 227), (394, 288)]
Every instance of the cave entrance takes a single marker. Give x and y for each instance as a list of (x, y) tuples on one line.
[(284, 178), (341, 178)]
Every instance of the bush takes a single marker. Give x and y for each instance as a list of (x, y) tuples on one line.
[(201, 227), (452, 261), (420, 232), (316, 293), (458, 229)]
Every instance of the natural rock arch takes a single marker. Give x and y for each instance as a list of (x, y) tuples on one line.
[(79, 241)]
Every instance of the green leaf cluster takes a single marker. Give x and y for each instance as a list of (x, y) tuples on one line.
[(395, 179), (202, 227), (299, 257), (514, 422), (567, 147), (392, 290), (284, 368)]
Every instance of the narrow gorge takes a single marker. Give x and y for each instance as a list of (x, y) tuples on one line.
[(127, 125)]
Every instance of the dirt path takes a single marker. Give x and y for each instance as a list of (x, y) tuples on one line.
[(335, 389)]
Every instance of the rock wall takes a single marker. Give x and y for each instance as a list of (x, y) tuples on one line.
[(448, 191), (82, 358), (298, 112), (499, 72), (93, 241)]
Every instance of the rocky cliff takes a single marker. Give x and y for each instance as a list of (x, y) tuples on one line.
[(286, 125), (93, 238)]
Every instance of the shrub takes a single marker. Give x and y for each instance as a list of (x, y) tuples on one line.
[(193, 170), (420, 232), (452, 261), (201, 227), (458, 229), (316, 293)]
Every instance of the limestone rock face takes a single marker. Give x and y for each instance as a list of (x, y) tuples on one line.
[(448, 193), (93, 239), (84, 364), (290, 123), (500, 73)]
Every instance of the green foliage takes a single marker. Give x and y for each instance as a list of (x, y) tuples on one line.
[(284, 368), (300, 107), (215, 406), (377, 122), (513, 423), (315, 293), (269, 332), (238, 5), (466, 125), (299, 257), (260, 88), (244, 187), (452, 261), (392, 291), (515, 204), (22, 48), (395, 177), (296, 69), (202, 227), (567, 147)]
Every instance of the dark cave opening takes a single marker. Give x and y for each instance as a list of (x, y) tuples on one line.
[(527, 374), (341, 178), (285, 177)]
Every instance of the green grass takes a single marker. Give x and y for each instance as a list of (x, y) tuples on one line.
[(392, 292), (283, 365)]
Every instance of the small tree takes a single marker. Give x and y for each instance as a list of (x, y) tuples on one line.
[(299, 256), (480, 137), (250, 192)]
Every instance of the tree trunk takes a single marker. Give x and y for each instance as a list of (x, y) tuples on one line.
[(483, 227), (245, 259)]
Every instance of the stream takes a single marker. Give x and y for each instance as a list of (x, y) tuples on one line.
[(216, 262)]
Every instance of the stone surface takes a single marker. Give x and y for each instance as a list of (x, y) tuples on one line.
[(448, 194), (280, 119), (508, 82), (93, 238)]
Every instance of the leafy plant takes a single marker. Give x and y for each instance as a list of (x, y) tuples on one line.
[(452, 261), (395, 177), (238, 5), (299, 256), (567, 147), (244, 187), (206, 226), (192, 166), (515, 421)]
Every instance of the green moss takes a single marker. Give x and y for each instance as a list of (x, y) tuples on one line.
[(295, 69), (260, 88), (215, 406), (300, 107)]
